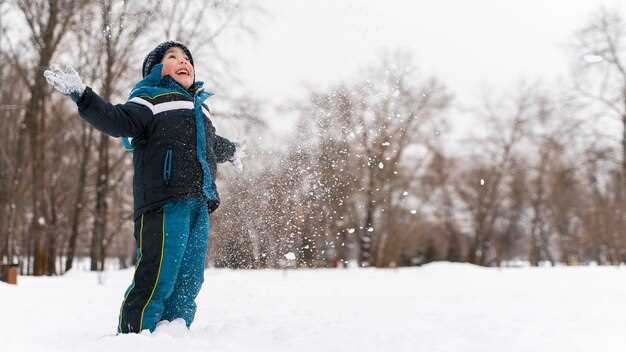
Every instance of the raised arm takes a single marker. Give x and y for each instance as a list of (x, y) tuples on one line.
[(120, 120)]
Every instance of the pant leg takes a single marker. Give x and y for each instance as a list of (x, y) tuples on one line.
[(181, 303), (161, 237)]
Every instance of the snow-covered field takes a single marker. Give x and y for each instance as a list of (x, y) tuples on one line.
[(438, 307)]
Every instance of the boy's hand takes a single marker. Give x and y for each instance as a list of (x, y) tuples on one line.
[(240, 153), (66, 81)]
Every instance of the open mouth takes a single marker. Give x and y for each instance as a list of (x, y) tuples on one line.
[(182, 71)]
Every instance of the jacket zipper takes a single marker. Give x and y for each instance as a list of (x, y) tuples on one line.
[(167, 167)]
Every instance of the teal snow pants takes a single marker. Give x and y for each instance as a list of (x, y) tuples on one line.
[(172, 244)]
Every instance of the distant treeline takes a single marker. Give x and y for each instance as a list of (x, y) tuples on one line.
[(372, 173)]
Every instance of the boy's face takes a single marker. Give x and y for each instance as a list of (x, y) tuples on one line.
[(176, 64)]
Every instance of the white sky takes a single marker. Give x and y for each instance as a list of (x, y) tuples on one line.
[(470, 45)]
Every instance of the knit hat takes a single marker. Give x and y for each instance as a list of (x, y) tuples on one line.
[(156, 55)]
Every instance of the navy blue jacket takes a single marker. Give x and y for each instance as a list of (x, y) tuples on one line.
[(175, 145)]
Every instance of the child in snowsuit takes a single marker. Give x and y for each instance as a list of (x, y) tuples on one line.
[(175, 151)]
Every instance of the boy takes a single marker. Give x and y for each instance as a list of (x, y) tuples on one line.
[(174, 158)]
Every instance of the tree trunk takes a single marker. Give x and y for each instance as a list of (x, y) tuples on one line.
[(101, 207), (52, 239), (86, 140), (35, 131), (365, 243), (624, 135)]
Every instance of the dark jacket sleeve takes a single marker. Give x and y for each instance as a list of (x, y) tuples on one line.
[(224, 149), (120, 120)]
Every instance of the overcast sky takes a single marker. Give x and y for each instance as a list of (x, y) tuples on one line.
[(468, 44)]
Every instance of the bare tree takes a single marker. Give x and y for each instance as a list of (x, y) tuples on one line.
[(359, 134), (600, 79), (600, 66), (438, 190), (400, 106), (47, 24), (483, 187), (12, 187)]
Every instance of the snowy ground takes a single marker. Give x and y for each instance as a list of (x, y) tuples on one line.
[(438, 307)]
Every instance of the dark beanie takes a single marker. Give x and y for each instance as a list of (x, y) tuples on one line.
[(156, 55)]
